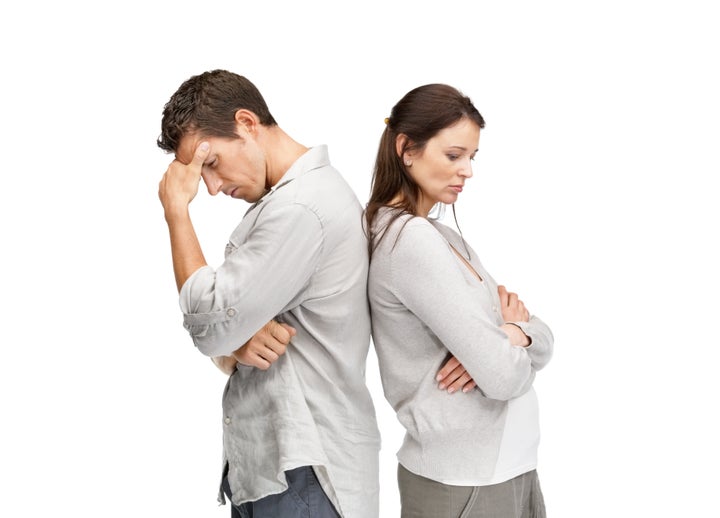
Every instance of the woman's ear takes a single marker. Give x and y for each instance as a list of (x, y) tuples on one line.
[(401, 143), (247, 120)]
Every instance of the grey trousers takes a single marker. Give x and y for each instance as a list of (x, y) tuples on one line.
[(421, 497), (304, 498)]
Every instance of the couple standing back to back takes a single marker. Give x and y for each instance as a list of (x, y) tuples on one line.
[(288, 314)]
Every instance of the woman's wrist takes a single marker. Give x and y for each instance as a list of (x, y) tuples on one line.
[(516, 335)]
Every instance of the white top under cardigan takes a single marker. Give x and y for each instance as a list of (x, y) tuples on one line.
[(425, 303), (298, 255)]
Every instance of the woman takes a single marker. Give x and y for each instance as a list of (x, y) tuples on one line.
[(438, 316)]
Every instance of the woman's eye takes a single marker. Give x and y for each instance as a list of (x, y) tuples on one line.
[(453, 157)]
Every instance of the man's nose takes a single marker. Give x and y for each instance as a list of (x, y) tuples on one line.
[(212, 182)]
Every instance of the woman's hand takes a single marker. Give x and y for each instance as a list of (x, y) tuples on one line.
[(512, 308), (454, 377)]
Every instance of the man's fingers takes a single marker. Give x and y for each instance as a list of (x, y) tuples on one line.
[(276, 347), (269, 355), (280, 331), (246, 357), (260, 362), (201, 153), (266, 346), (290, 329)]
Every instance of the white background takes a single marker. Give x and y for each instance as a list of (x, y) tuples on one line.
[(594, 198)]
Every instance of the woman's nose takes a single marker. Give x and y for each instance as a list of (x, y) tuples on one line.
[(466, 169)]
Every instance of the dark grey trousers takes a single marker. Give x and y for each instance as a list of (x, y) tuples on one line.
[(304, 498), (519, 497)]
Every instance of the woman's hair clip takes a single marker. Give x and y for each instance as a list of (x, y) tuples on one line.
[(387, 121)]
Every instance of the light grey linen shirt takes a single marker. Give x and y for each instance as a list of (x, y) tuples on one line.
[(298, 255), (425, 304)]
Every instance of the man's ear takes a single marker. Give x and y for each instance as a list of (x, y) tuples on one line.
[(247, 121)]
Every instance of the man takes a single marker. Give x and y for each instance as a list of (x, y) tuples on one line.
[(299, 435)]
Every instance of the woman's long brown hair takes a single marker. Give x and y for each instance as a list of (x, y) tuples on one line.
[(419, 115)]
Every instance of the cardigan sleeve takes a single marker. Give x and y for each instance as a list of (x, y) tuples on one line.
[(427, 279), (224, 307), (541, 346)]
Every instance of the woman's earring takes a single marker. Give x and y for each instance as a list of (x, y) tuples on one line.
[(408, 163)]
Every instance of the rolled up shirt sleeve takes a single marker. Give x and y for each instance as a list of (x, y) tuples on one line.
[(260, 278)]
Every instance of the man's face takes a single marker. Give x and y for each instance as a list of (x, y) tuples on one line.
[(235, 167)]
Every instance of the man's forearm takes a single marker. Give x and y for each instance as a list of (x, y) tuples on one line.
[(187, 256)]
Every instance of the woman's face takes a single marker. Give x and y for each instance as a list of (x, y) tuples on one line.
[(444, 164)]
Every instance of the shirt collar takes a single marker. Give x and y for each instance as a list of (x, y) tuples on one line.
[(313, 158)]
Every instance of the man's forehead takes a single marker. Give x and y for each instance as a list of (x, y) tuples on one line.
[(186, 148)]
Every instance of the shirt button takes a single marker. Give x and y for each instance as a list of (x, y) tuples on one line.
[(230, 312), (495, 309), (227, 419)]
